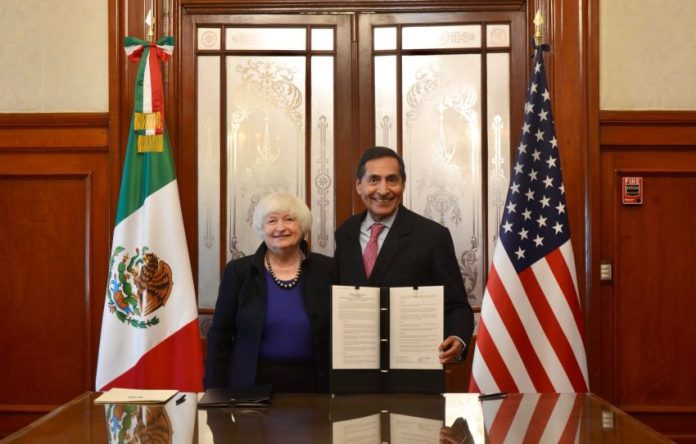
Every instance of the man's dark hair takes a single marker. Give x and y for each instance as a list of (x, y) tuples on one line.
[(377, 152)]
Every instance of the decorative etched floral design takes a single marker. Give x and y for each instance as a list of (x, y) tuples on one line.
[(271, 83)]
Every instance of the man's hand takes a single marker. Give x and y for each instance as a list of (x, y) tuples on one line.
[(451, 349)]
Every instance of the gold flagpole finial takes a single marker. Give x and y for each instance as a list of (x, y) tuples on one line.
[(538, 21), (150, 21)]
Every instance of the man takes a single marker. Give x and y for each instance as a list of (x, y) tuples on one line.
[(410, 249)]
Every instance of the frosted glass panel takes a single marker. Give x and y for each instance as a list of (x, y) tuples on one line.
[(385, 101), (498, 75), (256, 134), (266, 38), (497, 36), (442, 148), (385, 38), (209, 38), (322, 155), (441, 37), (322, 39), (208, 129), (265, 145)]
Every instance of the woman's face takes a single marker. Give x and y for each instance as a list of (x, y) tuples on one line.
[(281, 231)]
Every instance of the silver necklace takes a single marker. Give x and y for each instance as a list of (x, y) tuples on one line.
[(285, 284)]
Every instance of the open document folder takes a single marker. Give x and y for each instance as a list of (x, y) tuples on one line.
[(134, 396), (255, 396), (387, 339)]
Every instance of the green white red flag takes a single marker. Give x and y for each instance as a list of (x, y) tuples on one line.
[(150, 337)]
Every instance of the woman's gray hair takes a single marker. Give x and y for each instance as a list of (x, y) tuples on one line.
[(282, 203)]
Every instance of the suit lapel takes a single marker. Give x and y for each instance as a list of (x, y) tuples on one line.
[(355, 254)]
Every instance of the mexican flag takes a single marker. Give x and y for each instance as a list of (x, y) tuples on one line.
[(149, 336), (172, 423)]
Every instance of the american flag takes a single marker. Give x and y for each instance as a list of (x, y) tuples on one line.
[(530, 333), (534, 418)]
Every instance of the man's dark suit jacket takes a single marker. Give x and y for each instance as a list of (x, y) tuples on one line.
[(416, 252), (234, 338)]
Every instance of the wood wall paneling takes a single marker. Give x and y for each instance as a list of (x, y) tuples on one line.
[(54, 232), (653, 269), (53, 132), (647, 310), (648, 128), (593, 315)]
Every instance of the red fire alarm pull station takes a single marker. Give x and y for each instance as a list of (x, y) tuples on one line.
[(632, 190)]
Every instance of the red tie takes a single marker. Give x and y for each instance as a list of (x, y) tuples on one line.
[(370, 254)]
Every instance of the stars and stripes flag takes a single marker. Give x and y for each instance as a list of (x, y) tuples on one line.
[(149, 337), (530, 333), (534, 418)]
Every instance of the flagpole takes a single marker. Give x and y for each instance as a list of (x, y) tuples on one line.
[(538, 21), (150, 22)]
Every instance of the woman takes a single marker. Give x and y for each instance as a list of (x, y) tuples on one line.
[(271, 322)]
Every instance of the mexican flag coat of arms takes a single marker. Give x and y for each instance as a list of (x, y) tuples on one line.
[(149, 337)]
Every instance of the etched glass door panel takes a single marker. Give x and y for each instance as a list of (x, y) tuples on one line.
[(442, 97), (442, 149), (265, 122), (265, 139), (287, 102)]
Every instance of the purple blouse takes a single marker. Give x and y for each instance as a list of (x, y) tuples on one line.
[(287, 334)]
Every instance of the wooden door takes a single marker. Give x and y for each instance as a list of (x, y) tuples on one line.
[(437, 87)]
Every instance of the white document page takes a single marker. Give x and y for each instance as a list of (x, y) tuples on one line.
[(464, 416), (416, 326), (366, 430), (404, 429), (355, 327)]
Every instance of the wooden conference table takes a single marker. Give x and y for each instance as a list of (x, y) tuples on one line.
[(367, 418)]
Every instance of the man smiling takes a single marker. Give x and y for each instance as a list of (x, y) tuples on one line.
[(391, 246)]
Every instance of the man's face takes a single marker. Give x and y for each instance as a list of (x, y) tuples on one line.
[(381, 187)]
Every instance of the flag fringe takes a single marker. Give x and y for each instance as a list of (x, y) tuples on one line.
[(147, 121), (150, 144)]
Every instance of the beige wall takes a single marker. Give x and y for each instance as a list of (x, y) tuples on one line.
[(53, 56), (647, 54)]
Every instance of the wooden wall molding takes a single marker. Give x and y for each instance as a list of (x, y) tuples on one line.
[(273, 6), (676, 426), (43, 120), (27, 408), (54, 131), (636, 117), (648, 128), (659, 408), (62, 140)]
